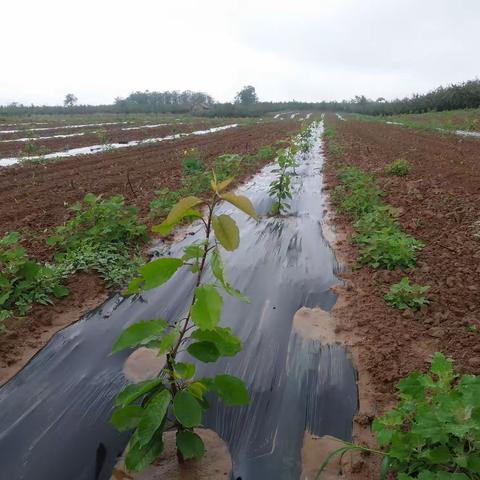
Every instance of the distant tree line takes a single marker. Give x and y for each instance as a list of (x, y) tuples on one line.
[(246, 103), (168, 101)]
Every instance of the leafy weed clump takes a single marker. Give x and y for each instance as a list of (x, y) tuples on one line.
[(24, 281), (383, 244), (389, 249), (434, 432), (404, 295), (101, 236), (192, 163), (399, 167)]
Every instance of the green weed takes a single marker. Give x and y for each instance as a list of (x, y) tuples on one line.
[(404, 295), (192, 163), (24, 281), (389, 249), (399, 167), (101, 236), (434, 432)]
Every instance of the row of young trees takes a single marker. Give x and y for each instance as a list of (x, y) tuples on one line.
[(246, 103)]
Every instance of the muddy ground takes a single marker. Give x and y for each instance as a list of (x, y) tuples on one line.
[(439, 205), (95, 136), (32, 198)]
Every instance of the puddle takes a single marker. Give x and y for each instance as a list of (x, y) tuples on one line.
[(340, 117), (277, 115), (298, 382), (293, 115), (394, 123), (92, 149), (65, 126)]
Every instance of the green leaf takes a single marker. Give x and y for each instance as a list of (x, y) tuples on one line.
[(140, 333), (207, 309), (139, 456), (154, 274), (168, 341), (197, 389), (190, 444), (443, 368), (187, 410), (182, 209), (241, 202), (132, 392), (217, 269), (153, 417), (60, 291), (127, 418), (226, 232), (29, 270), (183, 206), (227, 344), (184, 369), (231, 390), (204, 351), (439, 455)]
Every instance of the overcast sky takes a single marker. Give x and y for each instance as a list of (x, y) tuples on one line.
[(300, 49)]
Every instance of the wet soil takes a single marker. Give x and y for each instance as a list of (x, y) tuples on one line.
[(33, 196), (439, 204), (114, 134)]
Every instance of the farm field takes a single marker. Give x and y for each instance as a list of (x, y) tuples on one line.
[(436, 202), (330, 314), (35, 198), (465, 120)]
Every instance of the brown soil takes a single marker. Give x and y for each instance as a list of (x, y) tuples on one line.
[(114, 134), (27, 335), (32, 198), (438, 202)]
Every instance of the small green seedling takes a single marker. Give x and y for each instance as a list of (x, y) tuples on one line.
[(176, 399), (404, 295)]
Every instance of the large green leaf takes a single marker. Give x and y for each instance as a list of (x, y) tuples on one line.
[(30, 270), (154, 274), (168, 341), (241, 202), (132, 392), (153, 417), (217, 269), (181, 208), (190, 444), (187, 410), (127, 418), (207, 309), (226, 232), (204, 351), (140, 333), (139, 456), (184, 208), (184, 369), (231, 390), (227, 344)]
